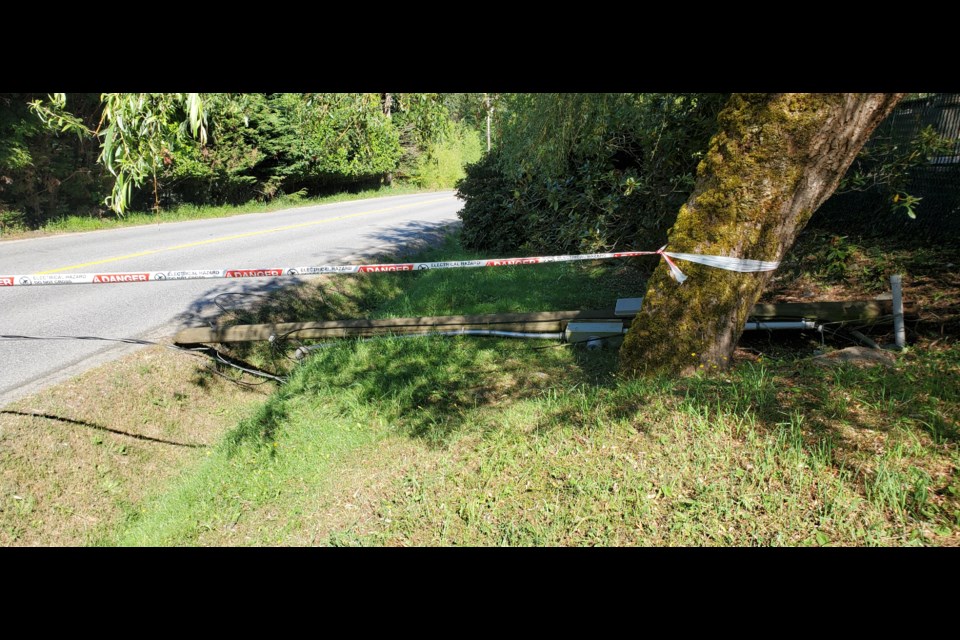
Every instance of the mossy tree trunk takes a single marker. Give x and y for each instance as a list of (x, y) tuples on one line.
[(774, 160)]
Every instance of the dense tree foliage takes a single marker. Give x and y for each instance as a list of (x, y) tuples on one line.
[(161, 149), (586, 172), (263, 145), (44, 174)]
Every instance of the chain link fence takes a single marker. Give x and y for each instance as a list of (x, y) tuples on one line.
[(869, 212)]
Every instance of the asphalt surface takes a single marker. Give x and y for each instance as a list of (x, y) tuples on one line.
[(341, 233)]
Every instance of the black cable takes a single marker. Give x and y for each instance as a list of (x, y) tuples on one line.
[(126, 340), (233, 380), (873, 321), (837, 334), (196, 351), (254, 372)]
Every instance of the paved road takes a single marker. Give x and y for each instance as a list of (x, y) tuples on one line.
[(326, 234)]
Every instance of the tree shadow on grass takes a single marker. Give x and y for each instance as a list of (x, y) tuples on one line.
[(260, 428), (866, 399), (430, 385), (430, 388), (869, 425)]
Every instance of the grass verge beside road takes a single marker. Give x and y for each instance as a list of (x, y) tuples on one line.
[(73, 224), (77, 459), (482, 441), (472, 441)]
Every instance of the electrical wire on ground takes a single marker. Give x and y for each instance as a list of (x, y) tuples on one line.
[(198, 350), (244, 367), (201, 351)]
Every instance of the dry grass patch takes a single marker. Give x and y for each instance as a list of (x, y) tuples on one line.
[(79, 458)]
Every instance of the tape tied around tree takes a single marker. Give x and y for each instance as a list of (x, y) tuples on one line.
[(742, 265)]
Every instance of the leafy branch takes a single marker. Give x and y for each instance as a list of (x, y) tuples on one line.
[(887, 165), (136, 132)]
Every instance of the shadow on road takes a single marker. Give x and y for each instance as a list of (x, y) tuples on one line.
[(235, 301), (410, 236)]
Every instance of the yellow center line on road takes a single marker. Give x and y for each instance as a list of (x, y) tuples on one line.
[(250, 234)]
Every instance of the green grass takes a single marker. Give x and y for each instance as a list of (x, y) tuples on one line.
[(73, 224), (439, 441)]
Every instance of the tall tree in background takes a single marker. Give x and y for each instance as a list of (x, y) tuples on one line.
[(387, 111), (774, 160), (136, 131), (479, 111), (163, 149), (583, 172), (44, 174), (488, 107)]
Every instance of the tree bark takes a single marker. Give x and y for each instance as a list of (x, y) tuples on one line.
[(774, 160)]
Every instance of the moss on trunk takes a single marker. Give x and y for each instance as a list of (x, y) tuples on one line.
[(773, 161)]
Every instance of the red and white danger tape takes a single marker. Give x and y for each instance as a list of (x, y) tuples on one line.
[(720, 262)]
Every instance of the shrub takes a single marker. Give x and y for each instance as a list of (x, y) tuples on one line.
[(491, 218), (587, 172)]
